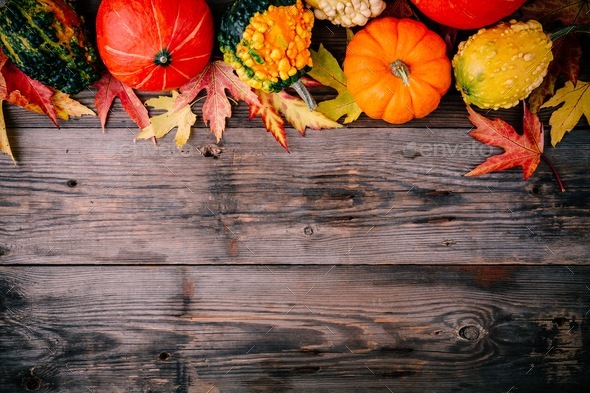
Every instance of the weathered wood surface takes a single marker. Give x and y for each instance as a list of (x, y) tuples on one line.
[(294, 329), (388, 196), (362, 261), (369, 192)]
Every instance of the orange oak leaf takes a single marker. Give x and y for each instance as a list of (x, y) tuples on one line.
[(519, 150), (215, 79), (26, 92), (109, 88), (273, 122)]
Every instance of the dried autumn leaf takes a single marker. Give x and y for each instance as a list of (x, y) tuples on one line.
[(576, 102), (273, 122), (398, 9), (215, 79), (162, 124), (519, 150), (327, 71), (567, 51), (109, 88), (65, 106), (4, 145), (299, 115), (568, 12), (295, 110), (26, 92)]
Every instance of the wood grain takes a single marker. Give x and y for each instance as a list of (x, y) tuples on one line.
[(363, 261), (79, 197), (260, 329)]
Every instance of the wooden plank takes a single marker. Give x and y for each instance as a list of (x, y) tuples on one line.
[(450, 114), (316, 328), (78, 196)]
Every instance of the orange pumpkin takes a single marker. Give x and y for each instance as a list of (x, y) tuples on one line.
[(154, 45), (397, 69)]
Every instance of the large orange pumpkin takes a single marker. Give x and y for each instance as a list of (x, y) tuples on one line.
[(397, 69), (154, 45)]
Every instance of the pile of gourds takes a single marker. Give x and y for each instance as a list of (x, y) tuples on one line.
[(396, 69)]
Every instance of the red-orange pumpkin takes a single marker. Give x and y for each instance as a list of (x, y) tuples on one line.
[(397, 69), (467, 14), (154, 45)]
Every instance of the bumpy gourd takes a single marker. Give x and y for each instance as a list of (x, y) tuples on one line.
[(497, 67), (46, 40), (347, 13), (267, 41)]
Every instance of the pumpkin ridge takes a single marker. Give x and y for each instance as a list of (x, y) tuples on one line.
[(147, 78), (398, 49), (190, 36), (155, 15), (121, 53), (376, 40), (125, 26), (180, 72), (175, 24), (418, 75)]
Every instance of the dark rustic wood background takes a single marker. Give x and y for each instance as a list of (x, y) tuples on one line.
[(363, 261)]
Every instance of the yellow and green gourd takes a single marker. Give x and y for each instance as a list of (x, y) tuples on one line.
[(499, 66), (46, 40), (266, 41)]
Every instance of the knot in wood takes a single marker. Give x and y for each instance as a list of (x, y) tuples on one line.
[(469, 332), (308, 231), (33, 383), (164, 356)]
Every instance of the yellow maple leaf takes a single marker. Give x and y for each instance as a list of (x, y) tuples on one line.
[(4, 146), (65, 106), (576, 102), (327, 71), (162, 124)]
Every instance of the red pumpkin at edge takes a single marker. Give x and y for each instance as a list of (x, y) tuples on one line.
[(467, 14), (154, 45)]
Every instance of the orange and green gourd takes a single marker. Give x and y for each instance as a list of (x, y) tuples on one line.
[(267, 41), (46, 40)]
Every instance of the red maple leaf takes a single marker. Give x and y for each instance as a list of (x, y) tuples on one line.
[(524, 150), (215, 79), (108, 89), (26, 92)]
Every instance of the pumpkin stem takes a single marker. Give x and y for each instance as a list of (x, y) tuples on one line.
[(401, 70), (304, 94), (163, 58)]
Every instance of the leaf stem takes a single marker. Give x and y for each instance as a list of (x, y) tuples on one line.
[(548, 162), (304, 94), (568, 30)]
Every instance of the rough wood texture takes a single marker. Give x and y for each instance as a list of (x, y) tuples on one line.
[(388, 196), (295, 329), (360, 262)]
